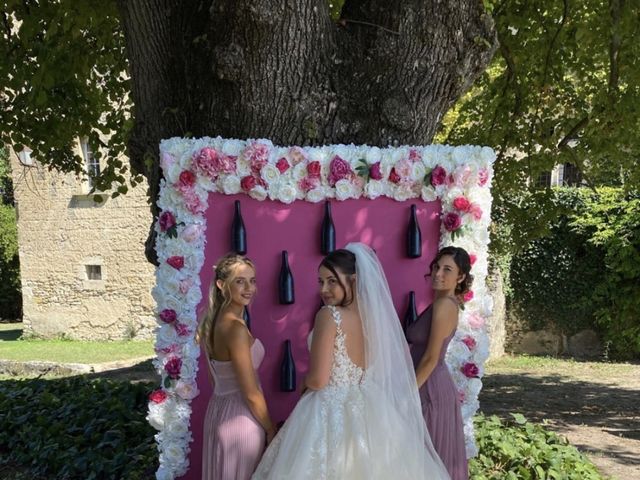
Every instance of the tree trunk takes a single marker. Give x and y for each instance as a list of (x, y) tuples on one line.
[(385, 73)]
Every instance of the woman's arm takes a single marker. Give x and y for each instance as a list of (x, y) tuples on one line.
[(324, 334), (445, 319), (239, 344)]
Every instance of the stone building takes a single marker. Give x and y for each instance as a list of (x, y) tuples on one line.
[(82, 264)]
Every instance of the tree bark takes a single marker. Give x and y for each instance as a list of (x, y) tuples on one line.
[(386, 73)]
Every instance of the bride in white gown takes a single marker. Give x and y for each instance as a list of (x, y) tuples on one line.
[(360, 417)]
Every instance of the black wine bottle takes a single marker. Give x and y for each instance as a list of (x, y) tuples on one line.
[(287, 370), (246, 316), (414, 237), (328, 232), (238, 232), (285, 283), (412, 313)]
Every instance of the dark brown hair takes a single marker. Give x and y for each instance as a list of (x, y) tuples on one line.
[(462, 261), (343, 261)]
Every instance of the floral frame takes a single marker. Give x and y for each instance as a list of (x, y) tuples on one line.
[(460, 177)]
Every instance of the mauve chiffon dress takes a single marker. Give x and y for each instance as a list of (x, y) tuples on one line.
[(233, 439), (439, 398)]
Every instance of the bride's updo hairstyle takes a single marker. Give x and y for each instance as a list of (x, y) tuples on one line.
[(342, 261)]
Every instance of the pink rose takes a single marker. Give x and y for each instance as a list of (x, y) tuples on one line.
[(469, 341), (158, 396), (403, 169), (173, 367), (182, 330), (472, 258), (483, 177), (375, 172), (166, 161), (166, 220), (461, 396), (476, 321), (438, 176), (393, 176), (314, 169), (476, 211), (186, 181), (211, 163), (308, 183), (248, 183), (462, 204), (187, 390), (468, 296), (414, 155), (470, 370), (193, 203), (176, 261), (192, 232), (168, 315), (297, 155), (173, 348), (282, 165), (451, 221), (338, 170), (185, 285), (258, 155)]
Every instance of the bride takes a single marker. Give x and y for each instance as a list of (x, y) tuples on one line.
[(360, 417)]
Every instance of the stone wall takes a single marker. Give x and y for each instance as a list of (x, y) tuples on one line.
[(64, 238)]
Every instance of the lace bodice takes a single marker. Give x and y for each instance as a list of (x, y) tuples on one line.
[(343, 371)]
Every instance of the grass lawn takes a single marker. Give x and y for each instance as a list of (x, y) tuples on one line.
[(67, 351)]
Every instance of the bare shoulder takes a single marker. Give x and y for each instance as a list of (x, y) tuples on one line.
[(324, 319), (445, 308), (233, 330)]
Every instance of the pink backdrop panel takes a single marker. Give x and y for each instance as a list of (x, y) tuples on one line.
[(273, 227)]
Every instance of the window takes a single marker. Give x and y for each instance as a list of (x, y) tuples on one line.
[(25, 156), (91, 163), (94, 272), (572, 176), (544, 179)]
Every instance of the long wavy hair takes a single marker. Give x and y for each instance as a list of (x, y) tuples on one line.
[(220, 298), (463, 261)]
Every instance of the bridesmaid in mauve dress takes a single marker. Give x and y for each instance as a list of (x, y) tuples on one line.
[(237, 424), (429, 338)]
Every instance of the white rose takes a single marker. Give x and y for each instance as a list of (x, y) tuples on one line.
[(374, 155), (429, 155), (299, 171), (189, 369), (344, 189), (167, 334), (258, 192), (461, 155), (194, 295), (402, 193), (318, 154), (231, 184), (233, 147), (164, 473), (270, 173), (172, 453), (316, 195), (374, 189), (176, 427), (399, 153), (287, 193), (343, 151), (187, 390), (191, 350), (428, 194), (155, 417), (243, 168), (488, 155), (418, 171)]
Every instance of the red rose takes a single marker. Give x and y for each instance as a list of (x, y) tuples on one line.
[(176, 261), (168, 315), (313, 169), (438, 176), (187, 178), (181, 329), (282, 165), (462, 204), (469, 341), (167, 220), (375, 172), (470, 370), (468, 296), (393, 176), (338, 170), (473, 258), (451, 221), (248, 183), (173, 366), (158, 396)]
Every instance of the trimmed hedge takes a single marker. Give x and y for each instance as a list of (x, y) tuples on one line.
[(77, 429), (585, 271)]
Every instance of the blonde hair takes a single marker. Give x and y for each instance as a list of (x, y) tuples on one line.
[(219, 298)]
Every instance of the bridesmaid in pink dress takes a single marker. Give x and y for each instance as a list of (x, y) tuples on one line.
[(237, 423), (429, 337)]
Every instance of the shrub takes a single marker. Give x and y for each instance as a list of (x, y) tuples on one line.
[(523, 450), (77, 429), (10, 296)]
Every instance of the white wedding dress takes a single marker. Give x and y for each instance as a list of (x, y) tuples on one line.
[(358, 427)]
